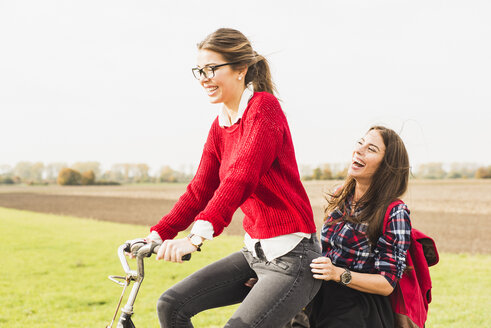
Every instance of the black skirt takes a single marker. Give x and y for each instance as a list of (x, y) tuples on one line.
[(338, 306)]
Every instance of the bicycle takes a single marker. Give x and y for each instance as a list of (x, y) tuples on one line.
[(140, 249)]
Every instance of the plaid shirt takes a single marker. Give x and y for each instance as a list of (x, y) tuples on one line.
[(347, 245)]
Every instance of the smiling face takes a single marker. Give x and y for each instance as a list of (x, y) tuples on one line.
[(227, 85), (367, 156)]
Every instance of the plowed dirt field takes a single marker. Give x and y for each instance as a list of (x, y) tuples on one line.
[(457, 213)]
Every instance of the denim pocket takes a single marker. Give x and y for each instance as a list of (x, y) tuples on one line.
[(288, 264)]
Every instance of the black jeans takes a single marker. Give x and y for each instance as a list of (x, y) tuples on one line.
[(338, 306), (285, 285)]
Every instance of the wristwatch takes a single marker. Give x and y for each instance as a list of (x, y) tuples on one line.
[(196, 241), (345, 277)]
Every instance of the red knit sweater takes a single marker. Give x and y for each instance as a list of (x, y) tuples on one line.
[(252, 165)]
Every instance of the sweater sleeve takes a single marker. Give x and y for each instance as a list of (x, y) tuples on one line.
[(198, 193), (392, 246), (253, 156)]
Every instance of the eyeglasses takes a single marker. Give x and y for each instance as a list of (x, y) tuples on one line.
[(208, 72)]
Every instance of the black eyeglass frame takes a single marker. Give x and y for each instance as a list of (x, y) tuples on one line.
[(201, 71)]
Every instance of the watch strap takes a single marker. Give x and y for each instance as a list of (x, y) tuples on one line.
[(196, 244)]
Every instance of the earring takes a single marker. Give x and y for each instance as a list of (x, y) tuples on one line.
[(240, 78)]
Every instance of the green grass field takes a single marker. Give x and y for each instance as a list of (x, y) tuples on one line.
[(55, 268)]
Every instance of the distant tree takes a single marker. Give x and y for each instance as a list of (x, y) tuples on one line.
[(37, 170), (87, 178), (305, 172), (6, 174), (339, 170), (454, 175), (128, 172), (326, 172), (167, 174), (317, 173), (431, 171), (6, 170), (116, 173), (322, 172), (6, 180), (342, 174), (124, 172), (52, 170), (462, 170), (23, 170), (483, 173), (106, 175), (69, 177), (141, 173), (29, 172), (88, 166), (106, 179)]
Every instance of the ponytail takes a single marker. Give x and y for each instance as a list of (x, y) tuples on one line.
[(260, 75)]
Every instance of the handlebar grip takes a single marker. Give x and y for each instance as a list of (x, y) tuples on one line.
[(136, 244), (155, 250)]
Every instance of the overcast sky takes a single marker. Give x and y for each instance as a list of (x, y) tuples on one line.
[(111, 81)]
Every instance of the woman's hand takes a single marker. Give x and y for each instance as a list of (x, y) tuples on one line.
[(174, 250), (323, 269)]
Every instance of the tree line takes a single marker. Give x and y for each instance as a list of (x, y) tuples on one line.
[(91, 173), (422, 171), (87, 173)]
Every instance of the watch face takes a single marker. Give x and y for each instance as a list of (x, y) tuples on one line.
[(346, 277)]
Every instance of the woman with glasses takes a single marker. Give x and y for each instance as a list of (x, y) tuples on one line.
[(248, 161)]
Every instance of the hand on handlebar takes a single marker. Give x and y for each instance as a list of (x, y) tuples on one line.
[(174, 250), (136, 244)]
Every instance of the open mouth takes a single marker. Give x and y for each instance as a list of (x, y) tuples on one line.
[(211, 90), (358, 163)]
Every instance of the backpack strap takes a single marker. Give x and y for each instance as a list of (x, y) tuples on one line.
[(387, 213)]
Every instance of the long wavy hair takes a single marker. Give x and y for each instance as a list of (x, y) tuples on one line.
[(389, 183), (235, 47)]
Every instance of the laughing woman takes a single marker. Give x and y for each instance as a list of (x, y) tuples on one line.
[(361, 265), (248, 160)]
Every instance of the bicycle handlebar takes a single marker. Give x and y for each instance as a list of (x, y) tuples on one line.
[(141, 249)]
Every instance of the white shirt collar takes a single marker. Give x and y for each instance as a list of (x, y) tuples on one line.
[(223, 118)]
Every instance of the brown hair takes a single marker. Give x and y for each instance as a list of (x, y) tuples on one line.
[(235, 47), (389, 183)]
